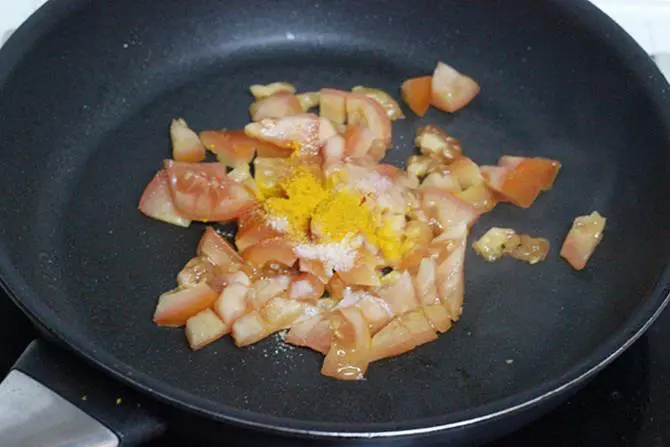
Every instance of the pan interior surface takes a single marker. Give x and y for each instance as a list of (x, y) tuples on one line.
[(85, 117)]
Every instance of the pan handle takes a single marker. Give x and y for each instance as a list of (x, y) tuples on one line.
[(51, 398)]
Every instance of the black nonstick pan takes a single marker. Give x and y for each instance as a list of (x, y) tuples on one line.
[(87, 90)]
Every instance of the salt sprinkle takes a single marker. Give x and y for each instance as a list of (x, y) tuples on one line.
[(374, 183), (279, 223), (301, 288), (334, 256)]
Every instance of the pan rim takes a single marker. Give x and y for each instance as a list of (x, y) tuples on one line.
[(639, 321)]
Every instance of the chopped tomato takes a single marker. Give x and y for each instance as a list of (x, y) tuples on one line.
[(466, 172), (335, 148), (278, 105), (349, 353), (333, 105), (416, 92), (249, 328), (367, 112), (280, 313), (451, 90), (196, 270), (203, 191), (376, 311), (305, 287), (176, 307), (359, 141), (450, 278), (582, 239), (252, 228), (299, 132), (232, 147), (219, 251), (402, 334), (447, 209), (400, 295), (270, 250), (203, 329), (543, 170), (521, 181), (424, 282), (186, 145), (481, 197), (232, 303), (156, 201), (335, 287), (315, 267), (438, 315), (314, 333), (361, 275)]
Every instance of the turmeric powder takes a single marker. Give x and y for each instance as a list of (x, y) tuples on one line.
[(343, 213), (330, 214), (303, 193)]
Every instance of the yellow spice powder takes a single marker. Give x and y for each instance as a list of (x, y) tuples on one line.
[(341, 214), (303, 193), (332, 214)]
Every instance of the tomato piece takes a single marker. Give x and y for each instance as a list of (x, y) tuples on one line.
[(204, 328), (186, 146), (542, 170), (214, 247), (416, 92), (361, 275), (252, 228), (314, 333), (450, 277), (232, 147), (237, 146), (232, 303), (315, 267), (335, 287), (270, 250), (367, 112), (299, 132), (451, 90), (349, 354), (249, 329), (156, 201), (402, 334), (335, 148), (333, 105), (448, 210), (176, 307), (359, 141), (203, 191), (466, 172), (195, 271), (479, 196), (400, 295), (582, 239), (278, 105), (280, 313), (438, 316), (305, 287), (424, 282)]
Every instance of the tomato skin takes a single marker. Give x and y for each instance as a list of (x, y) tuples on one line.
[(232, 147), (156, 201), (416, 93), (203, 191)]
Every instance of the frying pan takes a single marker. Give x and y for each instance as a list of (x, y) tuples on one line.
[(86, 92)]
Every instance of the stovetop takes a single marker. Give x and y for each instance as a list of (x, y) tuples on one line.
[(627, 405)]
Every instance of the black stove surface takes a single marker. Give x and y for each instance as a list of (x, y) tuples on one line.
[(628, 404)]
